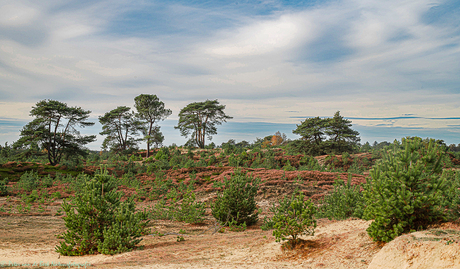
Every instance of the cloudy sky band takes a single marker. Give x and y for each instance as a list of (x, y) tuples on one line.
[(391, 67)]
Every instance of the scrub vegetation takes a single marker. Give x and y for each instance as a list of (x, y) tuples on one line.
[(110, 199)]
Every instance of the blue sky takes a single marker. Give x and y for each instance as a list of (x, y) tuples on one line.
[(392, 67)]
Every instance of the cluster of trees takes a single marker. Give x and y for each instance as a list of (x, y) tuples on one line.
[(326, 135), (121, 126), (54, 129)]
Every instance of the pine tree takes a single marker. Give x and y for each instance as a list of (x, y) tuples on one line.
[(120, 126), (151, 110), (342, 136), (405, 192), (98, 222), (200, 119), (312, 130), (237, 201), (55, 129), (324, 135)]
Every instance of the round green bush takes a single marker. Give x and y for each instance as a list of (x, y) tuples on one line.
[(237, 201)]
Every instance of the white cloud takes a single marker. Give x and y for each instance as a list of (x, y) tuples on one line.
[(266, 36), (17, 14), (376, 22)]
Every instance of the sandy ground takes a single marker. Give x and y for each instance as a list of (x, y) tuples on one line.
[(29, 241)]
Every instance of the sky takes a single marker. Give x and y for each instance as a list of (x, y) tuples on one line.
[(391, 67)]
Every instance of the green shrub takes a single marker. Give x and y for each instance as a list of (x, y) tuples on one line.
[(233, 160), (148, 160), (310, 164), (201, 163), (162, 154), (47, 181), (355, 167), (237, 201), (162, 164), (190, 210), (161, 210), (451, 199), (234, 227), (65, 178), (179, 161), (282, 208), (134, 158), (29, 181), (160, 186), (294, 221), (4, 187), (189, 164), (131, 181), (78, 183), (288, 166), (343, 202), (345, 156), (98, 222), (72, 163), (56, 195), (405, 192), (269, 162), (212, 160), (129, 167), (190, 153), (32, 197)]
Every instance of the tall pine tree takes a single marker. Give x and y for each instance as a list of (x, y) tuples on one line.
[(405, 190), (121, 126), (55, 130), (342, 137), (150, 110)]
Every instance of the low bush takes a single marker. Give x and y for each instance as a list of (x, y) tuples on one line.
[(47, 181), (294, 220), (29, 181), (310, 164), (356, 168), (30, 198), (343, 202), (3, 187), (98, 222), (288, 166), (190, 210), (78, 183), (236, 203)]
